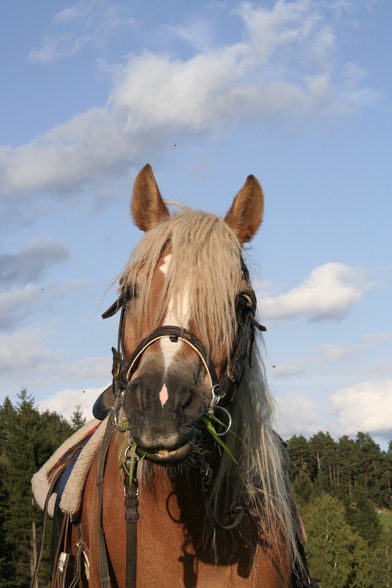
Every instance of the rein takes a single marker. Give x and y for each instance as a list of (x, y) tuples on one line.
[(223, 392)]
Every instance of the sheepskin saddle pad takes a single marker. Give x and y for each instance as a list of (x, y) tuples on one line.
[(79, 451)]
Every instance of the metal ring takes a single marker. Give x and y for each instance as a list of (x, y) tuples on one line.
[(215, 397), (128, 448), (228, 426)]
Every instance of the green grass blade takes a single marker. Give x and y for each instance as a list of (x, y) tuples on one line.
[(212, 417), (211, 429), (132, 464)]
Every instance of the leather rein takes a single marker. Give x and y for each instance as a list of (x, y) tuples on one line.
[(223, 393)]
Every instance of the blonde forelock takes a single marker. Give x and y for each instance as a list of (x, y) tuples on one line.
[(205, 262)]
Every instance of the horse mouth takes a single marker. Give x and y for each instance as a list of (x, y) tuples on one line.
[(163, 455)]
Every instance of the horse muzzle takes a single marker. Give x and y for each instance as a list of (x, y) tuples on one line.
[(163, 416)]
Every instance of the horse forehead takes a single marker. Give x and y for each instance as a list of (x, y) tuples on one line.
[(177, 317)]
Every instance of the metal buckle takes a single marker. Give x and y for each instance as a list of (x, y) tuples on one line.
[(216, 397)]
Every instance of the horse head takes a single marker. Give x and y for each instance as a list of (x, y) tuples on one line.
[(185, 298)]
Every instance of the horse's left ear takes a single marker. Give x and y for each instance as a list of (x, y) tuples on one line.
[(246, 212), (148, 208)]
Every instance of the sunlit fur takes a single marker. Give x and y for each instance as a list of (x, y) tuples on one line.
[(205, 261)]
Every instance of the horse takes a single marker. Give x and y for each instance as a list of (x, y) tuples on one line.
[(189, 439)]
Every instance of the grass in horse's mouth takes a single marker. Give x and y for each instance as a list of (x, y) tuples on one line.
[(208, 422), (176, 455)]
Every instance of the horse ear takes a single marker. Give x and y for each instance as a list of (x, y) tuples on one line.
[(148, 208), (246, 212)]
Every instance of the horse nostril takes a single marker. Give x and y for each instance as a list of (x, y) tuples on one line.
[(133, 397)]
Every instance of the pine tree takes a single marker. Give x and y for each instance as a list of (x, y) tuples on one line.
[(347, 455), (7, 413), (27, 440), (323, 448), (23, 433), (301, 457), (302, 488), (369, 462), (77, 420)]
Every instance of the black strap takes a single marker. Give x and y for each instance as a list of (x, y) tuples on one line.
[(131, 517), (44, 522), (173, 332), (102, 547)]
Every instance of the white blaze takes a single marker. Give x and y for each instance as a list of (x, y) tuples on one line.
[(179, 319)]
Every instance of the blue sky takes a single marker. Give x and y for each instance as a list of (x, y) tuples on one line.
[(297, 93)]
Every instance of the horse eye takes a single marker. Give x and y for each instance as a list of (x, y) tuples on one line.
[(245, 299), (128, 292)]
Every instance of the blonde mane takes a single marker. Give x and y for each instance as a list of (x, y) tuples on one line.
[(205, 262), (206, 253), (261, 476)]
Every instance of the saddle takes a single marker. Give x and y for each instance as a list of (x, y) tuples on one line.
[(58, 490)]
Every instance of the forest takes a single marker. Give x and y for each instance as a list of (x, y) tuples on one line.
[(343, 489)]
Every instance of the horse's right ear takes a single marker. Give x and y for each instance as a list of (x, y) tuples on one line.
[(148, 208), (246, 212)]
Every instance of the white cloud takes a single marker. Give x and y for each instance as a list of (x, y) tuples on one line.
[(265, 77), (378, 370), (198, 33), (335, 353), (28, 264), (65, 402), (23, 351), (366, 407), (296, 414), (288, 370), (329, 293), (88, 368), (298, 26), (17, 304), (26, 359), (75, 11), (92, 22), (58, 47)]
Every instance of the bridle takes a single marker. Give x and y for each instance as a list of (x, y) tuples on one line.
[(223, 392), (223, 389)]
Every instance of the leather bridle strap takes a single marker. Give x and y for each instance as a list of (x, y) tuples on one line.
[(174, 333), (102, 547), (131, 515)]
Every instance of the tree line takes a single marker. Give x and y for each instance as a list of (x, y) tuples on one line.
[(343, 489), (27, 439)]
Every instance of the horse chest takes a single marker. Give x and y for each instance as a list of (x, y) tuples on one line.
[(170, 552)]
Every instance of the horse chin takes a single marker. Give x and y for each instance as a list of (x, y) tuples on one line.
[(163, 455)]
